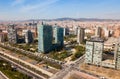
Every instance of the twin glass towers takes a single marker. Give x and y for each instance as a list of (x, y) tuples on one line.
[(45, 37)]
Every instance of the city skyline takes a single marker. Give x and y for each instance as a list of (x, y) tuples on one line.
[(51, 9)]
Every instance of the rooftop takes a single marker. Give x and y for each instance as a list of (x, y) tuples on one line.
[(96, 39)]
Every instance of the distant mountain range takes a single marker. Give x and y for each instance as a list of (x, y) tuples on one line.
[(77, 19), (69, 19)]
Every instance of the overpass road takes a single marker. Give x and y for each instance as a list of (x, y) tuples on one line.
[(67, 68)]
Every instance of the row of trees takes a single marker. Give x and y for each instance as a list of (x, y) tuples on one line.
[(79, 52), (11, 72)]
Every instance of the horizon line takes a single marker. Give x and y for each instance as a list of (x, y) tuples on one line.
[(61, 18)]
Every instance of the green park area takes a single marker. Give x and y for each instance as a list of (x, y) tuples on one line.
[(59, 55), (79, 52), (64, 54)]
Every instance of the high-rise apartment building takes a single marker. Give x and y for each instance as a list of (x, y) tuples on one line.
[(2, 37), (89, 52), (58, 34), (29, 36), (98, 31), (98, 52), (75, 30), (12, 34), (80, 35), (94, 51), (66, 31), (117, 56), (106, 32), (44, 38)]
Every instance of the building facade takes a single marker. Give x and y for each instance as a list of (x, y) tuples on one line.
[(29, 37), (80, 35), (94, 51), (94, 55), (98, 52), (58, 34), (2, 37), (75, 30), (66, 31), (98, 31), (89, 52), (44, 38), (12, 34), (106, 32), (117, 56)]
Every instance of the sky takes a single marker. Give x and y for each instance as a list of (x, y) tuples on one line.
[(51, 9)]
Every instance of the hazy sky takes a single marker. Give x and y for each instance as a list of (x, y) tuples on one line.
[(49, 9)]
